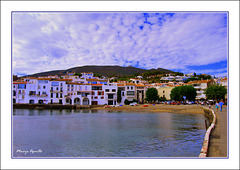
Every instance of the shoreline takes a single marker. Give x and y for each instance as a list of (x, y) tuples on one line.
[(157, 108)]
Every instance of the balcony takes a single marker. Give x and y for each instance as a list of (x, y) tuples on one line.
[(111, 98), (110, 92), (200, 92), (41, 95), (32, 94), (56, 91), (197, 87)]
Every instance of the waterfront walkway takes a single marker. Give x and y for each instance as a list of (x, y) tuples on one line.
[(218, 146)]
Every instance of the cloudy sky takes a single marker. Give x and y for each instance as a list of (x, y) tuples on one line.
[(185, 42)]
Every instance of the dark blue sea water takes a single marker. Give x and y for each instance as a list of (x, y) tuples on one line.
[(86, 133)]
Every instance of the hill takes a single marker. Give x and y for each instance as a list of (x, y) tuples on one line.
[(103, 70)]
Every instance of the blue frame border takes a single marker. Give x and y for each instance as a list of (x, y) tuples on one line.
[(121, 157)]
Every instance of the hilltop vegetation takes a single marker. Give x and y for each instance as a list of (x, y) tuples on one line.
[(108, 71)]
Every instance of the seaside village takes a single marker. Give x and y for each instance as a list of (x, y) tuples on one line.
[(86, 89)]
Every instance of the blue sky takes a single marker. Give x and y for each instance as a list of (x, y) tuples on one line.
[(185, 42)]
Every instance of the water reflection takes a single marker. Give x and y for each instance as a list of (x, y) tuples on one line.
[(79, 133)]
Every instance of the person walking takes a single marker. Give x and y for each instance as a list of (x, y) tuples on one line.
[(221, 104), (216, 106)]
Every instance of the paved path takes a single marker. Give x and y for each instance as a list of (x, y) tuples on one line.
[(219, 136)]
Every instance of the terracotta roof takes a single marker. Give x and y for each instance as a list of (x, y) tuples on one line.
[(19, 82), (92, 79), (44, 78), (199, 81), (140, 85), (61, 80), (96, 84), (159, 84), (30, 78), (120, 84), (74, 83), (130, 84), (134, 79)]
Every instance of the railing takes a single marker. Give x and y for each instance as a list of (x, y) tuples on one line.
[(56, 91), (205, 146), (111, 98), (197, 87), (31, 94), (42, 95)]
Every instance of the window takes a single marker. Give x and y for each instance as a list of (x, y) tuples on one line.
[(44, 92), (102, 97), (31, 101), (60, 95), (51, 95), (51, 88), (42, 81), (14, 86), (113, 90), (128, 87), (21, 86), (55, 83), (56, 95), (95, 97), (68, 85), (163, 91), (131, 88), (14, 93), (96, 87), (123, 93), (57, 88), (110, 96), (106, 90), (61, 84), (44, 87), (72, 85), (130, 93)]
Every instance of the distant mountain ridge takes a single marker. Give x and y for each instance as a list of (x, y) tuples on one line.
[(103, 70)]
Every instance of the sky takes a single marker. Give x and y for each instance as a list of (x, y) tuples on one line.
[(185, 42)]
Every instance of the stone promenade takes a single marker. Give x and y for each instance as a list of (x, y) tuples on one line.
[(218, 146)]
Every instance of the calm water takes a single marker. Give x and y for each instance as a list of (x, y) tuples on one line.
[(86, 133)]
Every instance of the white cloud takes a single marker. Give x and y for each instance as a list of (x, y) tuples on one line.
[(67, 40)]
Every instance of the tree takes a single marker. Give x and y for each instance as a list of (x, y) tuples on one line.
[(119, 96), (97, 75), (216, 92), (204, 77), (162, 98), (152, 95), (177, 93), (126, 102), (78, 74)]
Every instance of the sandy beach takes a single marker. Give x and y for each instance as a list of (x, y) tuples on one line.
[(158, 108)]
